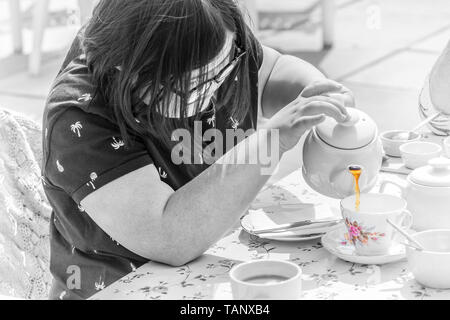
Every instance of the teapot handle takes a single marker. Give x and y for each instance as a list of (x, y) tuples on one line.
[(385, 183)]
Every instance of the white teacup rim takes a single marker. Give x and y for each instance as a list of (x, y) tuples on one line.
[(381, 195), (295, 277), (385, 136), (430, 231), (404, 148)]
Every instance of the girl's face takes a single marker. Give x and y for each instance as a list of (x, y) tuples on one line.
[(218, 71)]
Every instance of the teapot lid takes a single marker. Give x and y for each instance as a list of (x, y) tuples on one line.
[(435, 174), (357, 132)]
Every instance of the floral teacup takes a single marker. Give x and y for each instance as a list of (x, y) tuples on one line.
[(367, 226)]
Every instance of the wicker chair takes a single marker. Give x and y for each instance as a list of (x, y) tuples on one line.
[(24, 211)]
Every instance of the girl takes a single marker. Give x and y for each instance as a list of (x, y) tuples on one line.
[(123, 188)]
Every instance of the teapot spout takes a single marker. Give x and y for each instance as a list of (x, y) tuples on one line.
[(354, 167), (344, 183)]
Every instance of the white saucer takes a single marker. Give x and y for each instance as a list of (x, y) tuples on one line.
[(336, 244)]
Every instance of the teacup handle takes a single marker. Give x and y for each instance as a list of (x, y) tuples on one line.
[(385, 183), (407, 219)]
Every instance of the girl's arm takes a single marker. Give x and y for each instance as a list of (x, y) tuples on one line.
[(283, 77), (174, 227)]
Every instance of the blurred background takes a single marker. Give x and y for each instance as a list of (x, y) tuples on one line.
[(381, 49)]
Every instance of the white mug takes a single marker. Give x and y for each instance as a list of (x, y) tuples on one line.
[(368, 228), (266, 280)]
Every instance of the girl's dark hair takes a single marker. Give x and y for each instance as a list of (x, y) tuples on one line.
[(137, 48)]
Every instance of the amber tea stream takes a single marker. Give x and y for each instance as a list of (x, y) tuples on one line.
[(356, 172)]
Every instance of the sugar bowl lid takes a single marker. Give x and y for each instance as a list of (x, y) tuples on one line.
[(357, 132), (435, 174)]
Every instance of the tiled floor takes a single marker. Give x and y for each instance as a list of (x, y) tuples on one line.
[(26, 94), (18, 90), (384, 67)]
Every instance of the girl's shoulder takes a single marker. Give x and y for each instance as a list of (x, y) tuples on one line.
[(72, 80), (74, 88)]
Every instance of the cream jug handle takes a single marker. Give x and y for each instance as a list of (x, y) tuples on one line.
[(407, 219), (385, 183)]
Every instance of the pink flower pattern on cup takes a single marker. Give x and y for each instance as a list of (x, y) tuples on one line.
[(358, 233)]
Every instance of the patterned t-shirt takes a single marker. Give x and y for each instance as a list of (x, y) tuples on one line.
[(83, 151)]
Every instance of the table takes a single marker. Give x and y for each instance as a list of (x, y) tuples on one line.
[(324, 275)]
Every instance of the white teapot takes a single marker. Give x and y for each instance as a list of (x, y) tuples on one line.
[(427, 192), (331, 148)]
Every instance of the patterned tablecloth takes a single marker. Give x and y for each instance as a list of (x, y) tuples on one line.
[(324, 275)]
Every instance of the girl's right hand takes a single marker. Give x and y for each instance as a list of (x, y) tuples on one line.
[(301, 115)]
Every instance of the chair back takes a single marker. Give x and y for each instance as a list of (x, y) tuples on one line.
[(24, 210)]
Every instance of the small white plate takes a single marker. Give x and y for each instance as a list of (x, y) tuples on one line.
[(336, 244), (266, 219)]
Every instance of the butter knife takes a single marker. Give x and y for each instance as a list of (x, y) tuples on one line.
[(299, 224)]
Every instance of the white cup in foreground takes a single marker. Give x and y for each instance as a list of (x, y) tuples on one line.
[(431, 267), (368, 228), (266, 280), (417, 154)]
